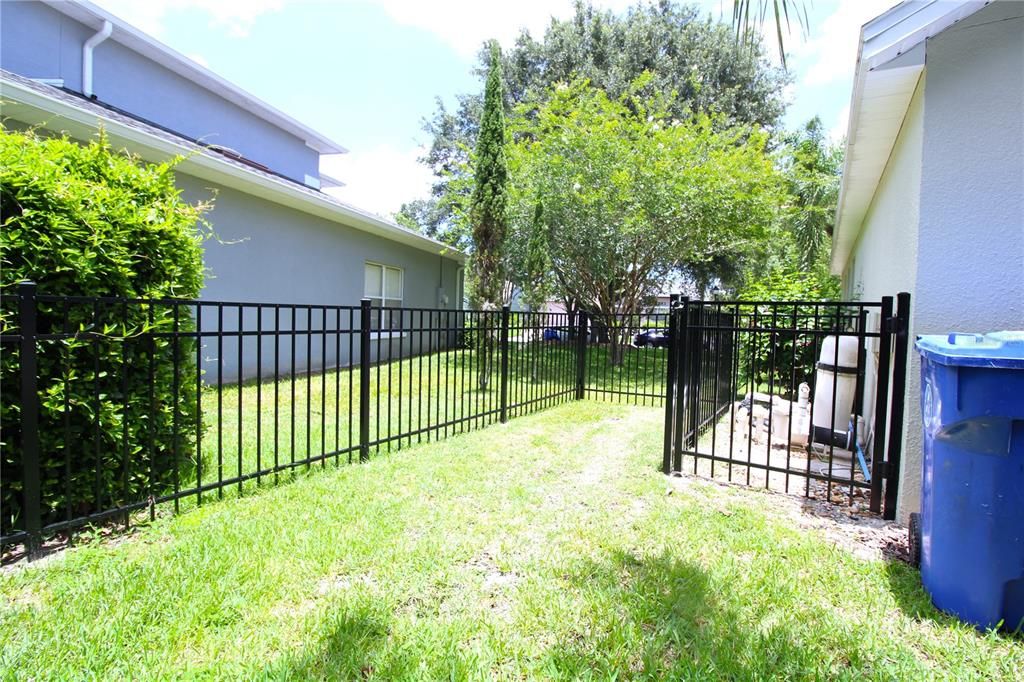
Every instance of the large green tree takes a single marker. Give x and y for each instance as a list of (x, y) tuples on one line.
[(696, 59), (630, 193), (488, 212)]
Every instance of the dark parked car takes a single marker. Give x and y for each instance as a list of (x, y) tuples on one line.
[(651, 338)]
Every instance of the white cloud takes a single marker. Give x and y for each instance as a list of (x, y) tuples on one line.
[(378, 179), (830, 52), (236, 17), (466, 24), (838, 131)]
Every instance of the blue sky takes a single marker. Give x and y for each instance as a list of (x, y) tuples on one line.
[(366, 72)]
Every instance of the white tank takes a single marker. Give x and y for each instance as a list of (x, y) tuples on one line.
[(841, 375), (801, 416)]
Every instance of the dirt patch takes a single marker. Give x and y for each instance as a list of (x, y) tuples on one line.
[(29, 597), (608, 460), (498, 584), (852, 529)]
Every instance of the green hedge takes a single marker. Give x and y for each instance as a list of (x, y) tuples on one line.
[(86, 220)]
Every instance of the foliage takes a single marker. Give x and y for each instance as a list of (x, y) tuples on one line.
[(790, 285), (537, 266), (89, 221), (789, 358), (812, 168), (747, 24), (631, 193), (489, 203), (697, 60)]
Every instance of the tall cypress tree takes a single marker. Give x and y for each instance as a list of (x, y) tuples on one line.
[(489, 207)]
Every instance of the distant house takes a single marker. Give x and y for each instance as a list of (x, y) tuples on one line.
[(71, 67), (932, 198)]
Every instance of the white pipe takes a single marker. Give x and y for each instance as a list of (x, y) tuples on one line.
[(87, 49)]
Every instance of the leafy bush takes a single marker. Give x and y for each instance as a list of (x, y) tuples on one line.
[(85, 220), (790, 360)]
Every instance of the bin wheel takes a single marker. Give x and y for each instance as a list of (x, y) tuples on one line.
[(914, 543)]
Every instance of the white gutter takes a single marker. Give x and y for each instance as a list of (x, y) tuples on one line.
[(87, 49)]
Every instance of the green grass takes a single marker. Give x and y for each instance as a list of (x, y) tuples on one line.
[(415, 395), (544, 548)]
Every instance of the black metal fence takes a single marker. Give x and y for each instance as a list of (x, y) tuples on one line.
[(782, 393), (628, 358), (116, 408)]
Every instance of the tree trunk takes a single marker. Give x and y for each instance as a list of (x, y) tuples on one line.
[(486, 350), (617, 347)]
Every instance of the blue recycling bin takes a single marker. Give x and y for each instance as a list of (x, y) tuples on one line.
[(972, 502)]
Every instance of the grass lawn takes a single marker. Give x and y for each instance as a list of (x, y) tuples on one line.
[(430, 397), (544, 548)]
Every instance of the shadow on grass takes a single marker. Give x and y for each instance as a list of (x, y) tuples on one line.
[(354, 640), (663, 618), (630, 617), (906, 587)]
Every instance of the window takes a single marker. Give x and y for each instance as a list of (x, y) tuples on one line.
[(383, 286)]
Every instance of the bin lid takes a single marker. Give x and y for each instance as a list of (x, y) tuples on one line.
[(999, 350)]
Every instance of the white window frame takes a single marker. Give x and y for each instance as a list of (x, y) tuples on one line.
[(384, 300)]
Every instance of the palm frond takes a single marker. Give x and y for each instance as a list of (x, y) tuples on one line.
[(749, 15)]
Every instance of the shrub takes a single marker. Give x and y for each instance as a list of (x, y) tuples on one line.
[(779, 363), (85, 220)]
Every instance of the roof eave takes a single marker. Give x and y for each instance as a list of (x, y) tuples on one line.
[(63, 116), (890, 60)]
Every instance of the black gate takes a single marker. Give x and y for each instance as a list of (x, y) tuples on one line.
[(790, 395)]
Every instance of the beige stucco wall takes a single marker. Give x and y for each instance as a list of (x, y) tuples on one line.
[(883, 261)]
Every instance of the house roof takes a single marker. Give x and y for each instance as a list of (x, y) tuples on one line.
[(92, 16), (890, 61), (38, 104)]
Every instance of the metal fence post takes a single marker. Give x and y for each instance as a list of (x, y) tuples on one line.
[(670, 385), (31, 484), (364, 379), (899, 389), (505, 309), (694, 378), (881, 415), (581, 354), (682, 387)]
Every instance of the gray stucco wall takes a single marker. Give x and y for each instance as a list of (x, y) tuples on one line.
[(970, 272), (947, 219), (268, 253), (39, 42)]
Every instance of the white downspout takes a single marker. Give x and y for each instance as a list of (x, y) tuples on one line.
[(87, 49)]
